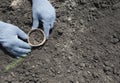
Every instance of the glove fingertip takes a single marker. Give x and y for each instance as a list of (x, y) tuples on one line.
[(33, 28), (22, 34), (25, 37), (24, 55), (35, 24)]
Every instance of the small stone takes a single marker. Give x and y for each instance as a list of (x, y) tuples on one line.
[(83, 1), (33, 66), (69, 18), (114, 40), (68, 71)]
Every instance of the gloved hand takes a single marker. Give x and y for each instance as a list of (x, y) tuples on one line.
[(43, 11), (9, 39)]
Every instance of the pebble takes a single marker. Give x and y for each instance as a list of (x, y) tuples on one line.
[(83, 1)]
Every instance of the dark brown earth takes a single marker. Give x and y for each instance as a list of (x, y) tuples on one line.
[(36, 37), (84, 46)]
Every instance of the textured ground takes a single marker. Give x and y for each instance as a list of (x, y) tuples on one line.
[(84, 46)]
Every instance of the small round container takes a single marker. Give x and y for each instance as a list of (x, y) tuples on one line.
[(36, 37)]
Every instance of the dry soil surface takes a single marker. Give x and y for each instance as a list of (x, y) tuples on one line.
[(84, 46)]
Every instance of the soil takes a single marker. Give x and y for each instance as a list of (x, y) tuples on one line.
[(36, 37), (84, 46)]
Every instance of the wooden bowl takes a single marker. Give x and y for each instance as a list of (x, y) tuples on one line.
[(36, 37)]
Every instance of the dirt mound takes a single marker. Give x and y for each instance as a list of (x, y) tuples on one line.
[(84, 46)]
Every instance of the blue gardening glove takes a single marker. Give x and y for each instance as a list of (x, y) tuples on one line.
[(43, 11), (9, 39)]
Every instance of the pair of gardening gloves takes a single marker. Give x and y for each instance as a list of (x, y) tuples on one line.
[(11, 35)]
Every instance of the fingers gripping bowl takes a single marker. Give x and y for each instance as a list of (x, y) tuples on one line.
[(36, 37)]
